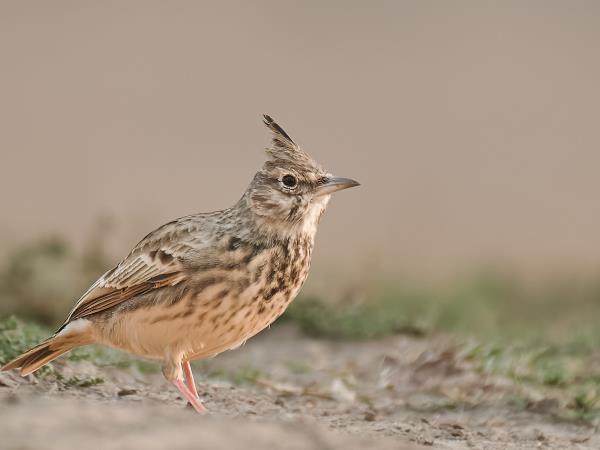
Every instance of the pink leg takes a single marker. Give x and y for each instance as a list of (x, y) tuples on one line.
[(190, 397), (189, 378)]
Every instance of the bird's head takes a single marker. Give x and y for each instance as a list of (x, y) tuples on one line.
[(291, 190)]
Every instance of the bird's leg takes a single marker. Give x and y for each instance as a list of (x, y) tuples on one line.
[(172, 370), (189, 377), (189, 396)]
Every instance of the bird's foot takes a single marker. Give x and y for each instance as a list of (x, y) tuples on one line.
[(190, 397)]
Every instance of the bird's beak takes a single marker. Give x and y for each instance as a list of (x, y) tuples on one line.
[(334, 184)]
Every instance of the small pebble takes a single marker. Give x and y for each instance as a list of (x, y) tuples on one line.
[(125, 392), (370, 416)]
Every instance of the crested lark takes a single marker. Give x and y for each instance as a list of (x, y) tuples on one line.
[(205, 283)]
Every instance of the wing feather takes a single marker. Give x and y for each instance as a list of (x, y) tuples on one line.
[(154, 263)]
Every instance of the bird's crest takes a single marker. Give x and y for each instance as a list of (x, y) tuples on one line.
[(281, 140), (283, 146)]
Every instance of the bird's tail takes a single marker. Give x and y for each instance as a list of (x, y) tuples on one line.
[(50, 349)]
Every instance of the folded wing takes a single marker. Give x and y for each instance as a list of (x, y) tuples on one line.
[(157, 261)]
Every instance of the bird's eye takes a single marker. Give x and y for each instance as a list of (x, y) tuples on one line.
[(289, 181)]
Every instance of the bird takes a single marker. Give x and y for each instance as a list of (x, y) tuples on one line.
[(207, 282)]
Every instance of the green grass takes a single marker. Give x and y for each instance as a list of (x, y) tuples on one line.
[(17, 337), (83, 382), (385, 315), (570, 376), (545, 337), (487, 306), (247, 375)]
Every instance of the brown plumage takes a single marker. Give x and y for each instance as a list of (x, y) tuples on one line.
[(205, 283)]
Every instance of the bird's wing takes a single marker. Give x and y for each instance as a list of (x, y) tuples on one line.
[(157, 261)]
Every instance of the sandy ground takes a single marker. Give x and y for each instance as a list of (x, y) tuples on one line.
[(286, 390)]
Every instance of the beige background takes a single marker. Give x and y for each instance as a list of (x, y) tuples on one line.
[(473, 126)]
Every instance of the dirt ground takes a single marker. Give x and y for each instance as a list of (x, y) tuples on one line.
[(286, 390)]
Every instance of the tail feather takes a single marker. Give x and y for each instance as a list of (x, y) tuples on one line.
[(42, 354)]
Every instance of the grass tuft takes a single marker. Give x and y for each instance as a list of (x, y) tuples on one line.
[(17, 336), (83, 382)]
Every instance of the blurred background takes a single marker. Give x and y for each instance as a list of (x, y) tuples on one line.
[(472, 127)]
